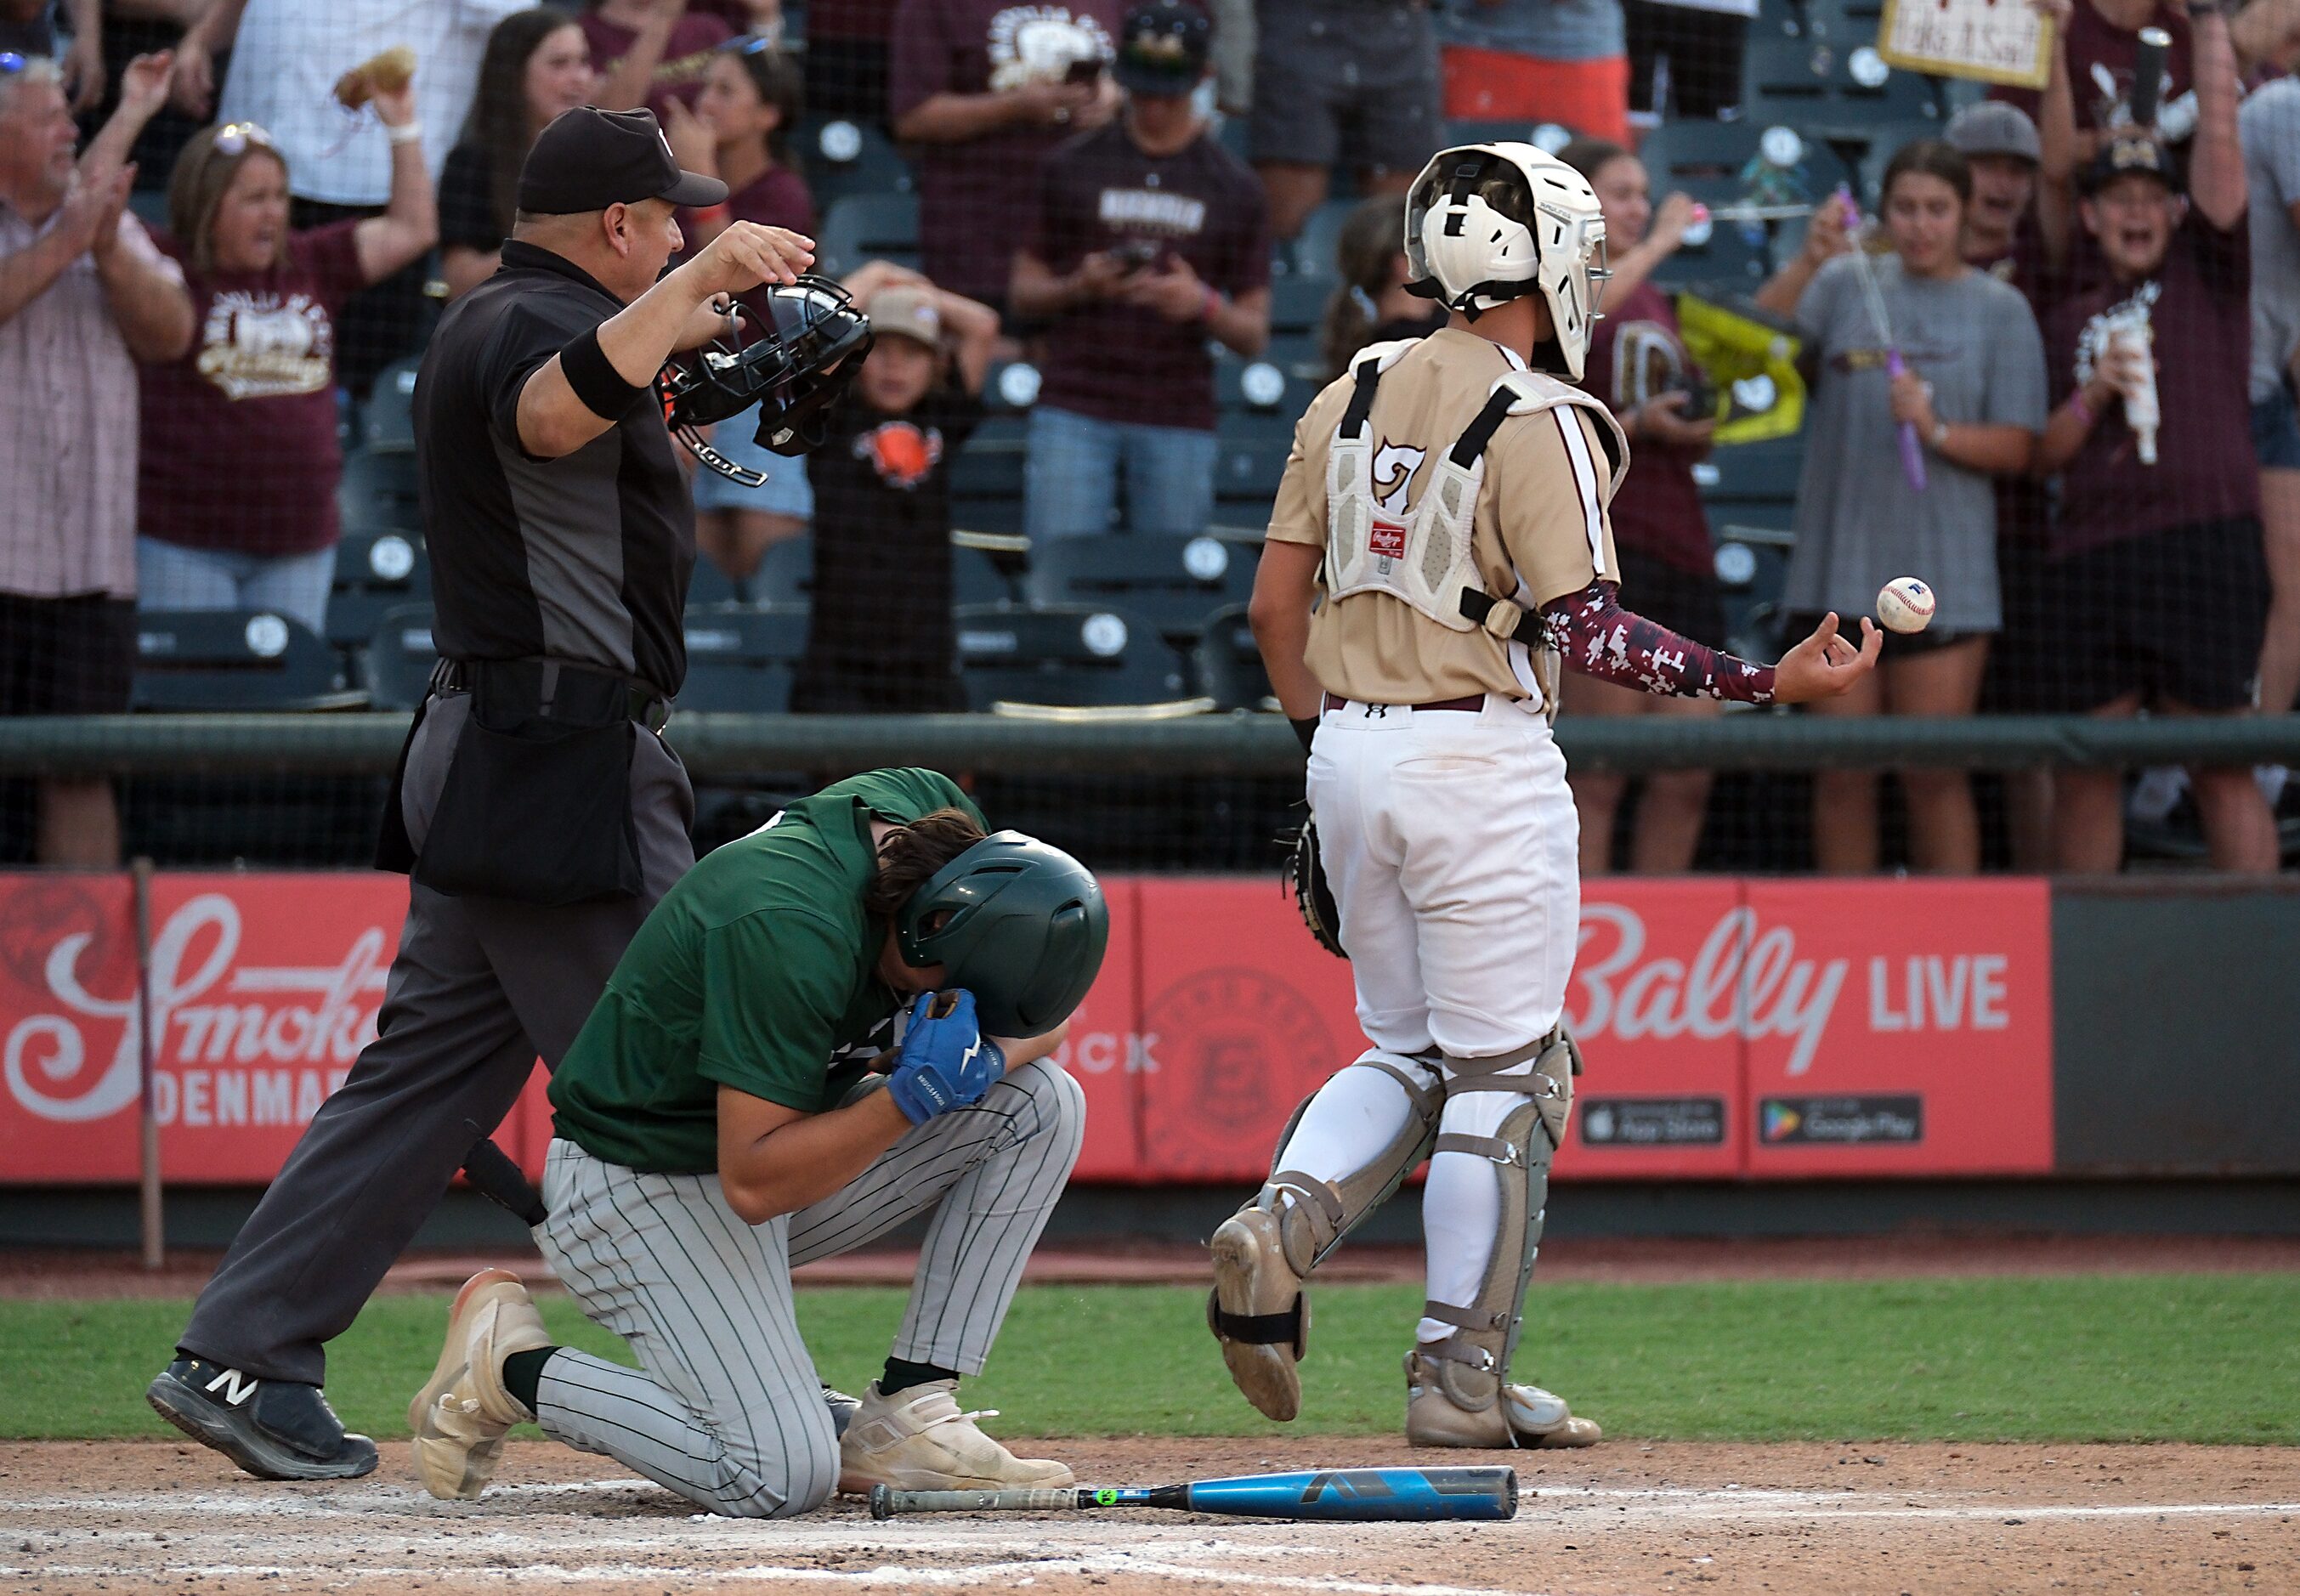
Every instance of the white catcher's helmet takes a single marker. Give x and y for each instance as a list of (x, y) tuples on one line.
[(1486, 223)]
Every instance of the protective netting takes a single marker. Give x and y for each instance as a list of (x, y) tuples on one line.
[(1077, 475)]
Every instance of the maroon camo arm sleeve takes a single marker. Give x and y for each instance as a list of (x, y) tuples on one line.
[(1595, 636)]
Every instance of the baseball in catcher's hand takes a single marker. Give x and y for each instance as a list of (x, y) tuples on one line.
[(1827, 664)]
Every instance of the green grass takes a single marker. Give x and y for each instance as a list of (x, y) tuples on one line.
[(2202, 1357)]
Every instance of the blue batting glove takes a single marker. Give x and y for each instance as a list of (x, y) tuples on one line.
[(946, 1062)]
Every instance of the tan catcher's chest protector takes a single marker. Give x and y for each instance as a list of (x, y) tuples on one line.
[(1426, 557)]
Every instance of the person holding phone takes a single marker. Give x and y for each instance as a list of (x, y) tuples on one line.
[(1149, 237), (988, 89)]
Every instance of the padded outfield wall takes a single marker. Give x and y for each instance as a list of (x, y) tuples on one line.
[(1742, 1031)]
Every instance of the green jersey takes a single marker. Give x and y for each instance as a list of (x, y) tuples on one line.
[(753, 972)]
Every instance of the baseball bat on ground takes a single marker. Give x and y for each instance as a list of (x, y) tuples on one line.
[(1359, 1495)]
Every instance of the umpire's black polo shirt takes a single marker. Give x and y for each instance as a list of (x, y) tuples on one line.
[(585, 558)]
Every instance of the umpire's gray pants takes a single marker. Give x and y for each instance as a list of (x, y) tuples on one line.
[(479, 988), (726, 1407)]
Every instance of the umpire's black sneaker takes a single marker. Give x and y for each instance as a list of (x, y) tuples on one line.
[(275, 1429)]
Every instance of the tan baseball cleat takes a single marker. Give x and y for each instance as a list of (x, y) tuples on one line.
[(460, 1416), (1445, 1406), (918, 1440), (1258, 1311)]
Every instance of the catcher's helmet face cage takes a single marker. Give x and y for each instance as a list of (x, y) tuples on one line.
[(1488, 223), (797, 365), (1018, 923)]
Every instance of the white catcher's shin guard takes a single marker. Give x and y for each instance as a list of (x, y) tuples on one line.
[(1263, 1252), (1458, 1391)]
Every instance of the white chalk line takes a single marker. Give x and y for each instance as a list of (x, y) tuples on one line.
[(898, 1576), (363, 1506)]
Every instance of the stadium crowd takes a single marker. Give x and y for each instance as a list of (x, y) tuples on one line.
[(2058, 373)]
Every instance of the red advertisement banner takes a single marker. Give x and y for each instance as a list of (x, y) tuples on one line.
[(1906, 1031), (1763, 1029)]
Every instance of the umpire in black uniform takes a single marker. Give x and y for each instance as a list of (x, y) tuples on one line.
[(537, 805)]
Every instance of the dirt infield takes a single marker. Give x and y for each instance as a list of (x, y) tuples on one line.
[(81, 1517)]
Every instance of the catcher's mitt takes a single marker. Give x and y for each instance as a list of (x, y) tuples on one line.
[(1313, 896)]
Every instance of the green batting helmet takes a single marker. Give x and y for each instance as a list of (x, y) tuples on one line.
[(1025, 931)]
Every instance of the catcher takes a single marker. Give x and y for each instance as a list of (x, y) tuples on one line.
[(702, 1146), (1445, 509)]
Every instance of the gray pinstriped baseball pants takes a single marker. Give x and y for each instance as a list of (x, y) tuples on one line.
[(726, 1407)]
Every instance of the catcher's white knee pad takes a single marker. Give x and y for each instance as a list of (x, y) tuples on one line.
[(1315, 1214), (1471, 1365)]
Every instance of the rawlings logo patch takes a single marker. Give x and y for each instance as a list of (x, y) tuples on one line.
[(1387, 539)]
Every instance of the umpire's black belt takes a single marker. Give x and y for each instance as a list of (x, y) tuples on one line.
[(556, 689)]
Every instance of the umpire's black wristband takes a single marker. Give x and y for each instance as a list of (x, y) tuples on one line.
[(595, 380), (1305, 729)]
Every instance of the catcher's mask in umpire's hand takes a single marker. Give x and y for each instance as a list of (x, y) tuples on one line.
[(813, 341)]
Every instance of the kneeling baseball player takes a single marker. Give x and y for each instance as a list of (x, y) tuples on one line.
[(702, 1145), (1447, 499)]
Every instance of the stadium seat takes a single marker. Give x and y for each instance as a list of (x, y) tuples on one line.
[(990, 463), (1470, 130), (740, 657), (785, 578), (375, 571), (1172, 583), (1274, 383), (399, 658), (1229, 665), (228, 661), (378, 493), (1297, 304), (848, 156), (1762, 473), (1250, 457), (1813, 82), (860, 227), (1072, 662), (1703, 161), (386, 422), (711, 585), (1321, 236)]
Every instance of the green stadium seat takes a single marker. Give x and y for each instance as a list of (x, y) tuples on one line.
[(1321, 236), (378, 493), (1250, 456), (740, 658), (991, 463), (386, 421), (226, 660), (711, 585), (1811, 82), (785, 577), (1172, 583), (399, 658), (375, 571), (1279, 381), (860, 228), (1228, 661), (846, 155), (1072, 662)]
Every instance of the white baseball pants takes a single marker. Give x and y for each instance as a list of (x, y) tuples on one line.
[(1452, 843), (725, 1408)]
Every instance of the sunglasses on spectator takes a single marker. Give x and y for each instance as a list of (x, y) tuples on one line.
[(11, 63), (233, 138), (748, 44)]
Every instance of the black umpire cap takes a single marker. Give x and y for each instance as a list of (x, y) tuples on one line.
[(588, 159)]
